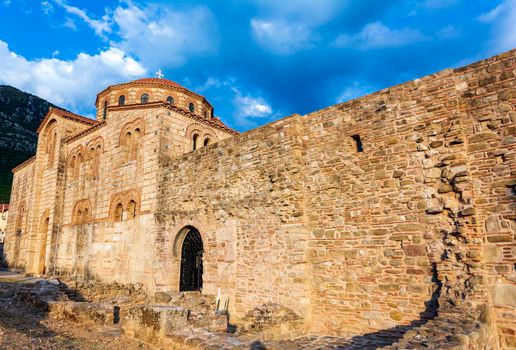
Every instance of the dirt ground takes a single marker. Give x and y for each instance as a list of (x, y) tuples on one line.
[(25, 326)]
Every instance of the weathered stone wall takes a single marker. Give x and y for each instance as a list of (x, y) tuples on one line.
[(375, 238), (245, 197), (15, 245), (490, 131), (102, 247)]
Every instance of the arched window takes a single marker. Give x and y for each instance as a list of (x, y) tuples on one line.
[(104, 112), (119, 211), (77, 168), (206, 141), (96, 161), (134, 144), (51, 149), (78, 219), (212, 114), (121, 100), (73, 164), (131, 140), (131, 210), (170, 100), (191, 107), (85, 215), (195, 137), (144, 98)]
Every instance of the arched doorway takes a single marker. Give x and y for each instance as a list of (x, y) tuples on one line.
[(191, 261)]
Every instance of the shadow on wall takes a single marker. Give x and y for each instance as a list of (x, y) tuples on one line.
[(386, 337), (3, 263), (257, 345), (369, 341)]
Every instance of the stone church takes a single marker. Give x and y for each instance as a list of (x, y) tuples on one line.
[(362, 216)]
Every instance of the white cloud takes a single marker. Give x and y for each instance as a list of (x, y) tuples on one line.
[(449, 32), (47, 7), (158, 34), (281, 37), (210, 83), (71, 84), (291, 26), (69, 23), (248, 108), (503, 19), (101, 27), (489, 16), (163, 37), (354, 91), (377, 35)]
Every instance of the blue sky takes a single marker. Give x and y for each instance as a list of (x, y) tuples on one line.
[(255, 61)]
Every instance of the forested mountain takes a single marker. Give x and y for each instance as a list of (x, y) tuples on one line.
[(20, 115)]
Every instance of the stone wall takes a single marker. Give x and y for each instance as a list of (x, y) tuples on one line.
[(361, 241), (490, 130), (245, 196), (16, 241)]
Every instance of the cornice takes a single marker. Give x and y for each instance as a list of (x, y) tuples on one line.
[(157, 104), (84, 132), (67, 115), (24, 164)]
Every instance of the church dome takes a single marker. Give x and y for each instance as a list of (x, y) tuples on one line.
[(154, 81), (150, 91)]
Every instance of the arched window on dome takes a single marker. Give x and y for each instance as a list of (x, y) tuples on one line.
[(191, 107), (195, 137), (104, 112), (144, 98), (121, 100), (170, 100)]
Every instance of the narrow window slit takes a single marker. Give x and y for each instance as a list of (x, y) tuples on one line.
[(358, 143)]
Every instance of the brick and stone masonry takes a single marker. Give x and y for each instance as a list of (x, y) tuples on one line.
[(367, 215)]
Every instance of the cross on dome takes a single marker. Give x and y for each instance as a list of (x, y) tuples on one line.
[(159, 73)]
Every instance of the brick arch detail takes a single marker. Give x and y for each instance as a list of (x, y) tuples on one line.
[(81, 206), (210, 136), (76, 151), (125, 198), (45, 215), (49, 129), (137, 123), (95, 144), (192, 129)]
